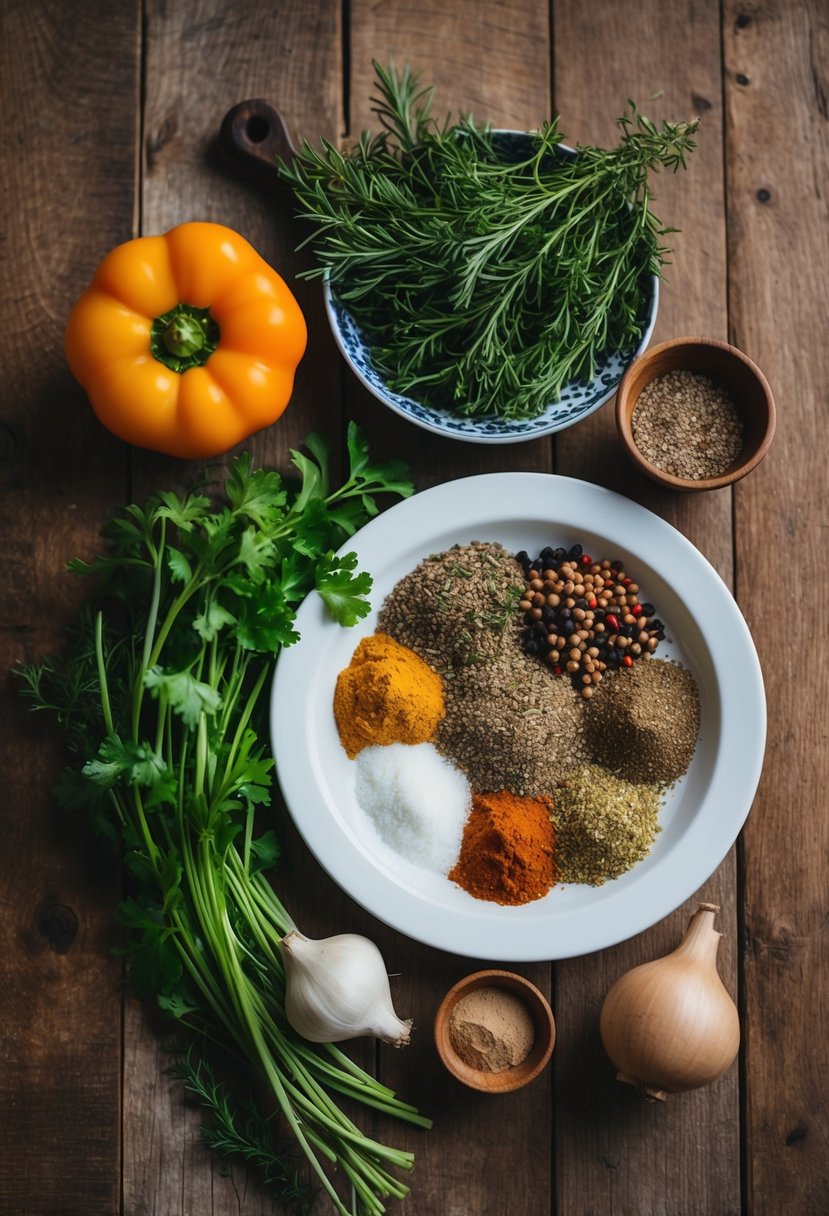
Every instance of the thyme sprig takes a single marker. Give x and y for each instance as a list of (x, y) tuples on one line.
[(486, 284)]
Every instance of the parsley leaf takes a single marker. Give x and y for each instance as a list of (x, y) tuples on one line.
[(343, 591)]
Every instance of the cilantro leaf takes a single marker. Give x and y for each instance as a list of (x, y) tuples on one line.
[(137, 763), (391, 477), (186, 695), (314, 470), (110, 763), (343, 591), (214, 618), (257, 495), (256, 552), (183, 512), (180, 569), (264, 852), (264, 621)]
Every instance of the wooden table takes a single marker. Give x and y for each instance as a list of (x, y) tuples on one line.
[(110, 120)]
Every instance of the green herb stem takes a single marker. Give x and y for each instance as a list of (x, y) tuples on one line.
[(163, 707)]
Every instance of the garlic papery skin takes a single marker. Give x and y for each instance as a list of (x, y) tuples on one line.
[(670, 1025), (337, 988)]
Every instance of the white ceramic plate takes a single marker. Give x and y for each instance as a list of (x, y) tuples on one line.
[(701, 816)]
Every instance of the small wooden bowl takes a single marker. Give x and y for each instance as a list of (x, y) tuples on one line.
[(728, 366), (510, 1078)]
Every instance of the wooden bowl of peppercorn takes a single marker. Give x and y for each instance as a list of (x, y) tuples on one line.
[(695, 414)]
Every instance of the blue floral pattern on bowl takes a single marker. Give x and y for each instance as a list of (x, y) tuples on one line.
[(578, 398)]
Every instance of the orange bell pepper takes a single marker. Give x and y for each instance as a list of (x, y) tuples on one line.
[(186, 343)]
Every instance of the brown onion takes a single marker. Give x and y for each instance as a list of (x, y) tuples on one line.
[(670, 1025)]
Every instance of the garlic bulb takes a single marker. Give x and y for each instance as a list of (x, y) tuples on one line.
[(337, 988), (670, 1025)]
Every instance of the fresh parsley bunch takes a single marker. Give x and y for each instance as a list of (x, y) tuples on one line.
[(486, 285), (162, 702)]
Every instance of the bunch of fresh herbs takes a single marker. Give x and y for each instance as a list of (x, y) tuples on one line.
[(484, 285), (162, 700)]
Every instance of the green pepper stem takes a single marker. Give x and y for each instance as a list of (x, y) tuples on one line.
[(184, 337)]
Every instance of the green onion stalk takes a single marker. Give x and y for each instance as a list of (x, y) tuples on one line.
[(162, 702)]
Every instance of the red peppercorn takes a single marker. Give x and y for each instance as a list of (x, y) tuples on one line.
[(584, 560), (557, 670), (626, 582), (594, 603), (628, 660), (612, 620), (636, 610)]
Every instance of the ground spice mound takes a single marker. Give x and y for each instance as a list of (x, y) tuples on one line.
[(510, 725), (507, 724), (387, 694), (455, 608), (603, 825), (507, 852), (644, 721), (491, 1029)]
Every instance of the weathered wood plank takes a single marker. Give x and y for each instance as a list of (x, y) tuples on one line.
[(201, 59), (776, 84), (68, 182), (613, 1152), (481, 1151)]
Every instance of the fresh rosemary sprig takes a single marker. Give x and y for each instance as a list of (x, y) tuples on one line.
[(486, 285)]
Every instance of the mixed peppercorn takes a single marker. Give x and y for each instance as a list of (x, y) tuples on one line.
[(583, 617)]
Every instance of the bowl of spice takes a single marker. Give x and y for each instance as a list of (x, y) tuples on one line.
[(494, 1031), (695, 414)]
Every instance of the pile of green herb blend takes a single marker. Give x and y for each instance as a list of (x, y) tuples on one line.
[(603, 825), (512, 723), (484, 285)]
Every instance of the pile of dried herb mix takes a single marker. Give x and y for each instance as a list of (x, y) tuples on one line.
[(603, 824), (456, 608)]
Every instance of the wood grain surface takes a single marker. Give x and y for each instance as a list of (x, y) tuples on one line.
[(112, 114)]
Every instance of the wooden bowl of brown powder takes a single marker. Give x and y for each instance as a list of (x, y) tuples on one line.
[(695, 414), (494, 1031)]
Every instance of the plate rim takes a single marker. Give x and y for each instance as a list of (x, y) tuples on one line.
[(457, 936)]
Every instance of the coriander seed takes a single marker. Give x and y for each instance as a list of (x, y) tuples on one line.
[(687, 425)]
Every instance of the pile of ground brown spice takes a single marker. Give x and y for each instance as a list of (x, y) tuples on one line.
[(491, 1029), (643, 723)]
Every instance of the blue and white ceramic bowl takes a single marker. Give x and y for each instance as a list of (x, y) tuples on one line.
[(578, 398)]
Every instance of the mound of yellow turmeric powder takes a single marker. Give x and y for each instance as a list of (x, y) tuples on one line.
[(387, 694)]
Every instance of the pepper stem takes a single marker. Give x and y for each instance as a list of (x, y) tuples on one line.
[(184, 337)]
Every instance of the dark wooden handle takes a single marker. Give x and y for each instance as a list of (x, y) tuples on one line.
[(255, 133)]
